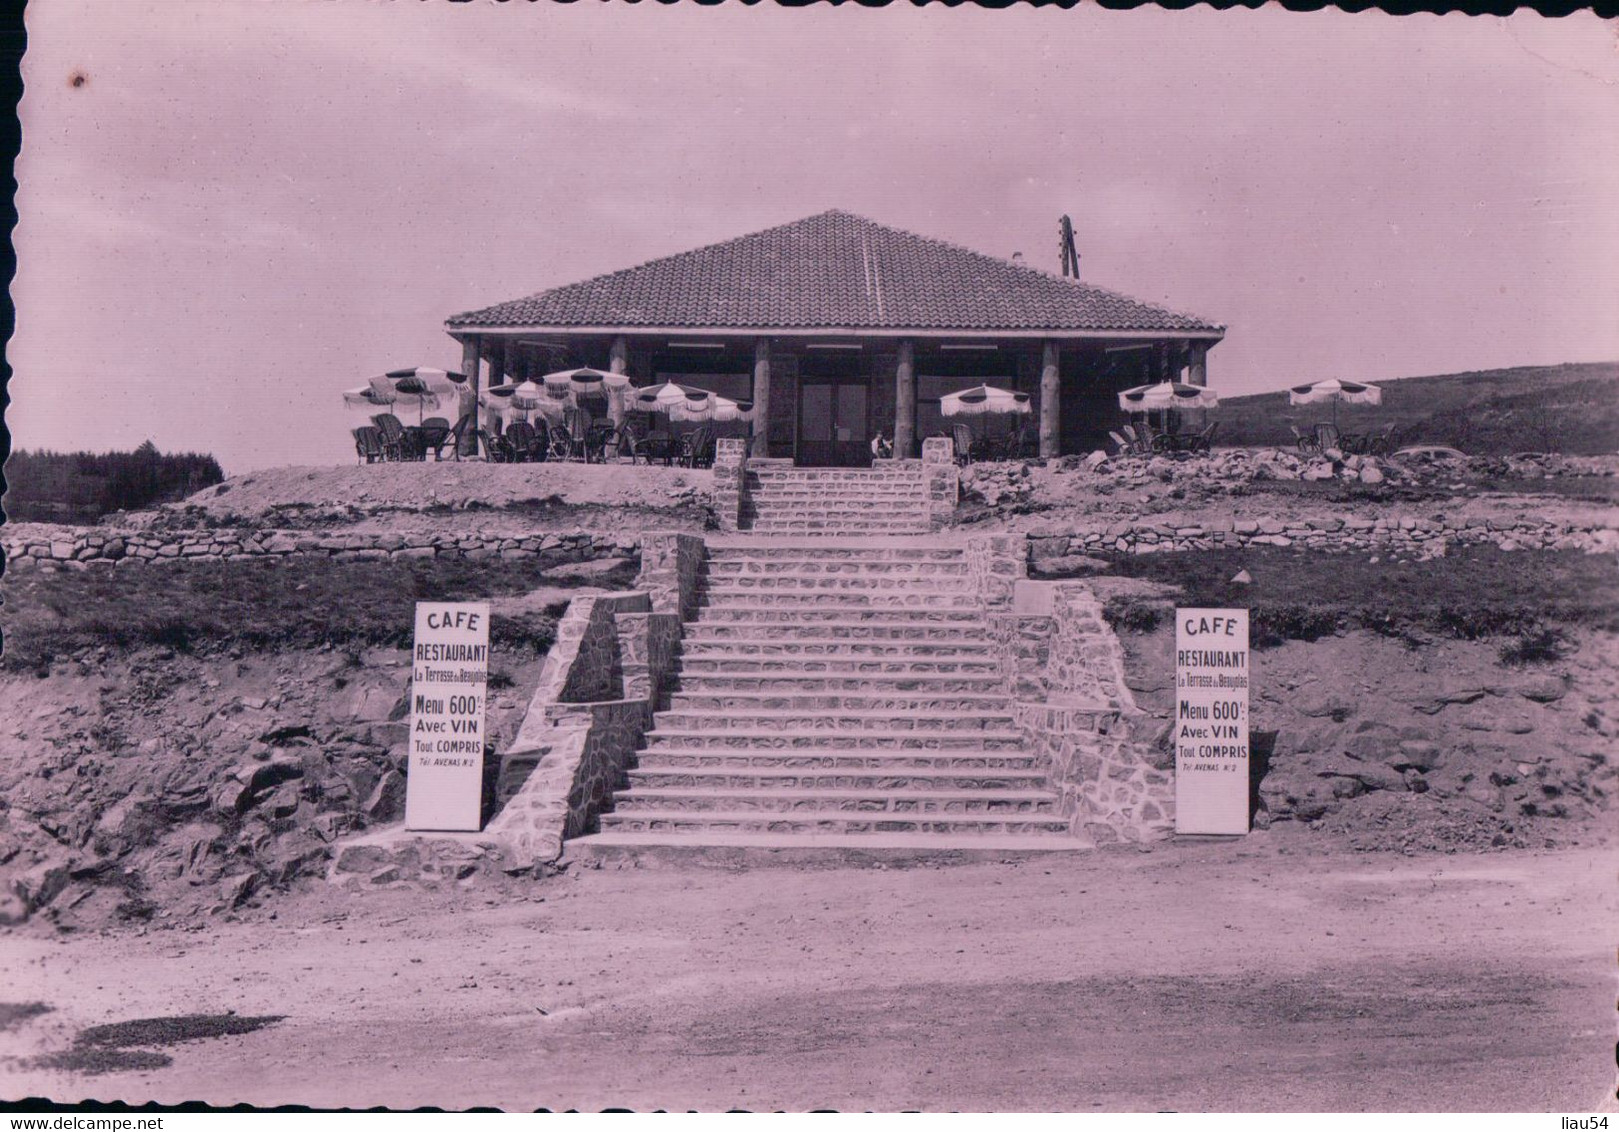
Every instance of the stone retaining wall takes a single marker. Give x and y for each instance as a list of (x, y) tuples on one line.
[(1401, 533), (590, 709), (72, 548), (602, 680), (1065, 670), (1113, 781)]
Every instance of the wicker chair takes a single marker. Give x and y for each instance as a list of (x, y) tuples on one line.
[(368, 444)]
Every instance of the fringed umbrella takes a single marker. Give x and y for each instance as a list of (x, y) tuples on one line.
[(981, 399), (523, 397), (1167, 395), (1335, 390), (424, 387), (677, 402)]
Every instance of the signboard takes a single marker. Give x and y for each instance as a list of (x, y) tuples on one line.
[(449, 678), (1211, 721)]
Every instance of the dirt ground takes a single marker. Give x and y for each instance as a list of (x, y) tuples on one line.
[(411, 487), (1261, 974)]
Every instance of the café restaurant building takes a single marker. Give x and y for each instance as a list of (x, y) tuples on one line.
[(838, 328)]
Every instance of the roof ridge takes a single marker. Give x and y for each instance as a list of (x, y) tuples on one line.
[(794, 258)]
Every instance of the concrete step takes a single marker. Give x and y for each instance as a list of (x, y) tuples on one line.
[(814, 721), (912, 548), (770, 477), (804, 567), (789, 629), (765, 742), (924, 704), (965, 759), (839, 528), (816, 615), (799, 801), (833, 649), (743, 679), (732, 850), (819, 603), (709, 821), (822, 778), (866, 581)]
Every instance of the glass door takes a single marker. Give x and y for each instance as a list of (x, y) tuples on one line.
[(833, 423)]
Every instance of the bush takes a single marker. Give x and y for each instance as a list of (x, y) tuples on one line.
[(1538, 646)]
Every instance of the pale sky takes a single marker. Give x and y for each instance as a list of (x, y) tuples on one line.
[(250, 205)]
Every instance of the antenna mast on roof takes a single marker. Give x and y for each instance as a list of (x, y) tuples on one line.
[(1065, 248)]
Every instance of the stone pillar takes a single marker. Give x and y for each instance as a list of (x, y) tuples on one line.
[(905, 401), (469, 366), (942, 478), (1050, 402), (761, 397), (730, 480), (1198, 371)]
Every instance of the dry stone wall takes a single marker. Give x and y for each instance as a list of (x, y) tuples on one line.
[(1422, 536), (68, 547)]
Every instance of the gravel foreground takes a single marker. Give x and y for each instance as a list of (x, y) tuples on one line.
[(1263, 974)]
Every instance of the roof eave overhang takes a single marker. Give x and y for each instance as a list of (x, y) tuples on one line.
[(1213, 334)]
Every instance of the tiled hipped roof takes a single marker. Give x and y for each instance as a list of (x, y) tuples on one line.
[(836, 271)]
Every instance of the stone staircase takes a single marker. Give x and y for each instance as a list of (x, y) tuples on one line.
[(838, 691), (885, 499)]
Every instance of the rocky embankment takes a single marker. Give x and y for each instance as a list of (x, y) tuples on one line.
[(1439, 747), (157, 784)]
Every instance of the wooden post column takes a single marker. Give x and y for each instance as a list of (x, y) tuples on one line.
[(761, 397), (1050, 402), (618, 361), (905, 401), (1198, 371)]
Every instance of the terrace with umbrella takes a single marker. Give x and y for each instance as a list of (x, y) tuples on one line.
[(683, 404), (419, 387), (986, 401), (1336, 390), (1157, 410)]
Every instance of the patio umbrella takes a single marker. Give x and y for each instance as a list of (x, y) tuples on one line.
[(678, 402), (586, 381), (400, 388), (1335, 390), (983, 399), (1167, 395), (438, 380), (726, 409), (524, 397)]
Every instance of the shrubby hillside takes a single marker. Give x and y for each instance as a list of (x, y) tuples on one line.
[(1573, 409)]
